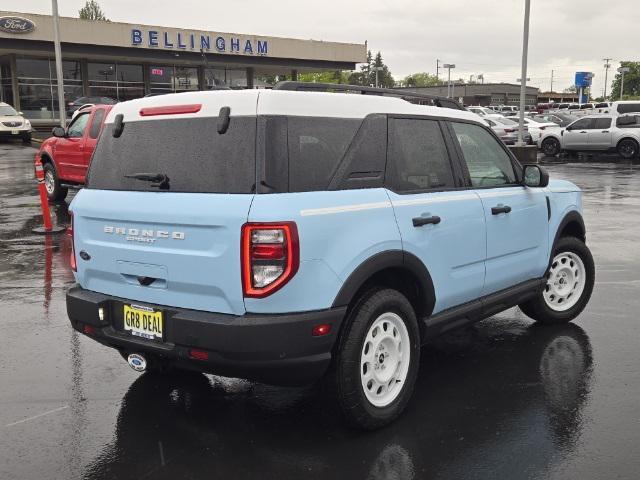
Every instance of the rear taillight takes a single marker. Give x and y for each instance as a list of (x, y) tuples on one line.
[(72, 256), (541, 128), (509, 130), (270, 257)]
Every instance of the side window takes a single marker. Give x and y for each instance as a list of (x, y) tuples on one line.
[(78, 126), (583, 124), (489, 165), (97, 122), (602, 123), (316, 146), (418, 158)]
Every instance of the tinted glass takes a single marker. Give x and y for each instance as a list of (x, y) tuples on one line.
[(189, 151), (418, 157), (489, 165), (628, 107), (583, 124), (95, 125), (77, 128), (628, 121), (316, 146), (601, 123), (602, 105)]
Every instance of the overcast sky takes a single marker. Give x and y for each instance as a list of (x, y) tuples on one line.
[(479, 36)]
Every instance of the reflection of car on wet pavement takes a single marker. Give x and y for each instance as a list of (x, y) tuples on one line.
[(537, 378), (66, 155), (296, 266)]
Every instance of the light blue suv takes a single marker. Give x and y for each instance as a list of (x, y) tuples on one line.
[(287, 236)]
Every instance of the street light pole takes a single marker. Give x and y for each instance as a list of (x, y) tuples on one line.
[(377, 69), (606, 75), (622, 70), (523, 77), (449, 66), (56, 43)]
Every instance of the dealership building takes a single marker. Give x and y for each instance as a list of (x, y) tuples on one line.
[(483, 93), (122, 61)]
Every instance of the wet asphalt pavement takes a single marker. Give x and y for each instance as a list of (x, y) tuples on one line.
[(503, 399)]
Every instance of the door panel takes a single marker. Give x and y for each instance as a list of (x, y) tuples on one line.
[(445, 228), (517, 240), (515, 216), (578, 137), (69, 151), (600, 135)]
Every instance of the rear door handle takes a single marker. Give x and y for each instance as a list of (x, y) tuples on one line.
[(500, 209), (605, 131), (420, 221)]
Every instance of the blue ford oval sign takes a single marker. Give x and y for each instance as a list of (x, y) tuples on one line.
[(16, 25)]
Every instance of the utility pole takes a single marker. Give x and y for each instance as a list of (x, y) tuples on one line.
[(56, 41), (523, 77), (551, 90), (377, 69), (606, 74), (438, 69)]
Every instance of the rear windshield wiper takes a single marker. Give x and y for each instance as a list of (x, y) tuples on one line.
[(159, 180)]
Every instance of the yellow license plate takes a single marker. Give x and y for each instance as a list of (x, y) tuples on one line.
[(143, 322)]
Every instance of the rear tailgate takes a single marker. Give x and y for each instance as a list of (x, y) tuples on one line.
[(175, 249), (174, 242)]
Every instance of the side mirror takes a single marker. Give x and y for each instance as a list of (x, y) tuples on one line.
[(569, 128), (58, 132), (535, 176)]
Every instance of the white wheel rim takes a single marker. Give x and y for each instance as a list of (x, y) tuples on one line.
[(567, 278), (48, 182), (384, 360)]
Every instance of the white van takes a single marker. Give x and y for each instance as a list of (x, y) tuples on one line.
[(623, 107)]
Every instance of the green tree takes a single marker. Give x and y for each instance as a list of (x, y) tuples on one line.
[(367, 75), (92, 11), (336, 76), (422, 79), (631, 86)]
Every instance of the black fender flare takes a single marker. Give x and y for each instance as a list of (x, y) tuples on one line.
[(382, 261), (572, 216)]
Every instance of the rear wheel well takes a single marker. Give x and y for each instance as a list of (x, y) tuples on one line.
[(404, 281)]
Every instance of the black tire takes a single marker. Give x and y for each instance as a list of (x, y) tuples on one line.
[(538, 309), (26, 138), (55, 191), (627, 148), (345, 379), (551, 147)]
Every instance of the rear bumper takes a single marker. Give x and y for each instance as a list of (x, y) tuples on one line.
[(276, 349)]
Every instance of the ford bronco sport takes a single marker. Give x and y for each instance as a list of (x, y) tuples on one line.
[(287, 236)]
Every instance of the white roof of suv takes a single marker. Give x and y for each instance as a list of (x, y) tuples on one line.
[(280, 102)]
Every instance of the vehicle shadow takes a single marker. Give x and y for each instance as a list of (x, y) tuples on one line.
[(487, 395)]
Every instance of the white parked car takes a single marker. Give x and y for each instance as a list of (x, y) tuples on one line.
[(624, 107), (595, 132), (537, 127), (482, 111), (13, 124), (506, 129)]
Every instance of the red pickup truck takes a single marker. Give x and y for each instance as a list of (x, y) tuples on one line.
[(65, 157)]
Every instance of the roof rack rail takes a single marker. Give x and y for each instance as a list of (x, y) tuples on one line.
[(412, 97)]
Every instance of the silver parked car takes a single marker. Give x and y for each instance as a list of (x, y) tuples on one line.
[(595, 132), (507, 129)]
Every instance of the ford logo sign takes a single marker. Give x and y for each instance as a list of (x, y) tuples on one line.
[(137, 362), (16, 25)]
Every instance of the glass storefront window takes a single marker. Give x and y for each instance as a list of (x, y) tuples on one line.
[(116, 81), (225, 77), (161, 79), (185, 78), (6, 87)]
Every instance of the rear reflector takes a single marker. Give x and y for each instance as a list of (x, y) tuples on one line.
[(198, 354), (321, 330), (89, 330), (72, 255), (170, 110)]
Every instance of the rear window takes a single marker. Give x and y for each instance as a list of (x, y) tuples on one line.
[(628, 107), (190, 151)]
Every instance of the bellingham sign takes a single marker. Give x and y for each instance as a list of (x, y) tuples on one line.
[(16, 25), (199, 42)]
